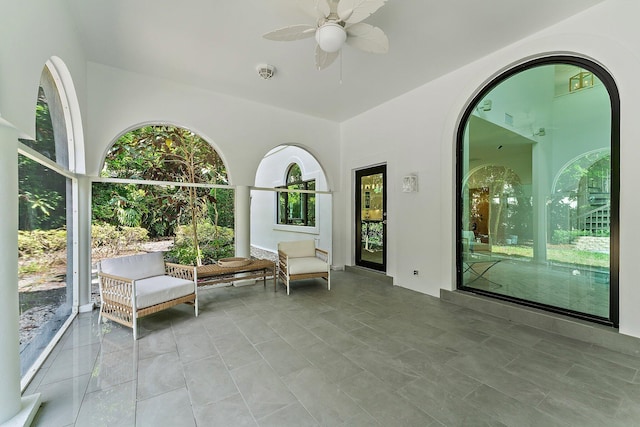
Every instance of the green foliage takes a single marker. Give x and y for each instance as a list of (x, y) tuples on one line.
[(565, 237), (215, 243), (500, 188), (32, 268), (40, 190), (163, 153), (146, 206), (108, 239), (40, 251), (38, 242), (375, 236), (225, 202)]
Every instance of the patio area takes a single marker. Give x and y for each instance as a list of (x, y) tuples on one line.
[(365, 353)]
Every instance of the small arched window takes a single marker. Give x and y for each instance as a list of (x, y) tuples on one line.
[(296, 207)]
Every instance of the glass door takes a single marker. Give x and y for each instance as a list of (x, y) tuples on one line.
[(371, 218)]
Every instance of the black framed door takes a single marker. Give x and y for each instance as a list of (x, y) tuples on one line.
[(371, 218)]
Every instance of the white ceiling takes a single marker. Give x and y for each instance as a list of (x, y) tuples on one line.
[(217, 45)]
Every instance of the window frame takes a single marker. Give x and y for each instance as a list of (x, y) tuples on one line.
[(282, 199)]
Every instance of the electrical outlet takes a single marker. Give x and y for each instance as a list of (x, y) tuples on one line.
[(415, 272)]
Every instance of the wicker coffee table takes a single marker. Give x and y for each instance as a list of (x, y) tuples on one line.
[(214, 274)]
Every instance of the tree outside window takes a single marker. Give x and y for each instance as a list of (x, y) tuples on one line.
[(297, 208)]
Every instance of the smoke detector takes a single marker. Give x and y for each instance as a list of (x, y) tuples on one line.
[(266, 71)]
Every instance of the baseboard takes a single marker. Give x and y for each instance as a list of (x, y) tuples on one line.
[(373, 274), (87, 308), (24, 418)]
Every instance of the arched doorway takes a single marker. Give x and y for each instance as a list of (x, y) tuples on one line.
[(551, 238), (290, 200)]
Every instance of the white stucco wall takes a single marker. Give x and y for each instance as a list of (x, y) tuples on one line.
[(421, 127), (241, 131), (34, 32)]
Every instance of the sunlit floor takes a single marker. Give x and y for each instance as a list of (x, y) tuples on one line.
[(374, 256), (363, 354), (568, 288)]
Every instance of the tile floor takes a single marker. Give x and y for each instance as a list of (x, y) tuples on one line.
[(363, 354)]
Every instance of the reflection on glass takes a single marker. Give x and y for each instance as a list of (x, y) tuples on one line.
[(45, 230), (43, 261), (536, 183), (371, 226), (297, 208)]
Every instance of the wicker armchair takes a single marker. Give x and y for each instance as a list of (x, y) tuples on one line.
[(302, 260), (135, 286)]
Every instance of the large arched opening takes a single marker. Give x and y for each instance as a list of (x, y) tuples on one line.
[(163, 188)]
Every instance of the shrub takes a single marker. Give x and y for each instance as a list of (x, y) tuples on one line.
[(31, 268), (565, 237), (215, 243), (38, 242), (109, 239)]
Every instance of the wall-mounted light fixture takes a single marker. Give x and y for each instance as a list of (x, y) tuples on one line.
[(540, 132), (581, 80), (410, 184)]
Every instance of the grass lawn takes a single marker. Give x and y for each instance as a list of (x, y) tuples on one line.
[(558, 253)]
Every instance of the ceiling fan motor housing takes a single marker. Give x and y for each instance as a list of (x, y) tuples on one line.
[(331, 36), (337, 22)]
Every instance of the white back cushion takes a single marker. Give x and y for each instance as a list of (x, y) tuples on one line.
[(299, 248), (135, 267)]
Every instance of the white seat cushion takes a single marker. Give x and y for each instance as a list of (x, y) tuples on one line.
[(307, 265), (159, 289)]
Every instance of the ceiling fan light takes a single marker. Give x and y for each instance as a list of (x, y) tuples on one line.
[(331, 37)]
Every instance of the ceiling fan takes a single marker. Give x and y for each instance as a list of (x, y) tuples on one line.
[(338, 22)]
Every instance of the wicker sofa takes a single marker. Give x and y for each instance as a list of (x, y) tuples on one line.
[(302, 260), (135, 286)]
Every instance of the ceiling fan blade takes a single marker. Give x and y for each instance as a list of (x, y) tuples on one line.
[(353, 11), (367, 38), (324, 59), (290, 33), (315, 8)]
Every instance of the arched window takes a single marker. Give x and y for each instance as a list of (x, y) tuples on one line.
[(538, 188), (294, 207), (46, 233)]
